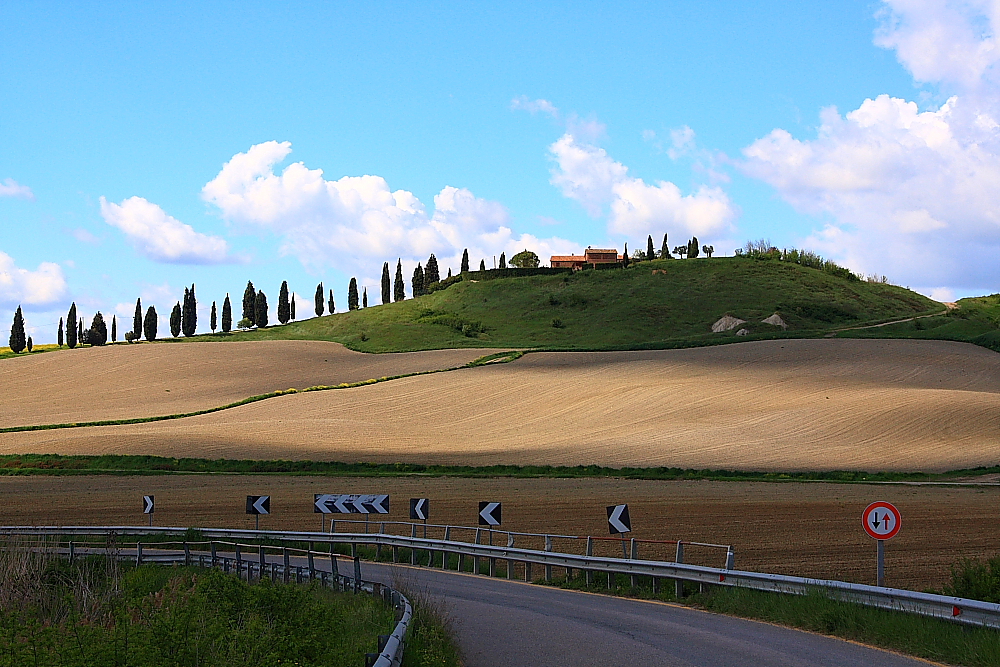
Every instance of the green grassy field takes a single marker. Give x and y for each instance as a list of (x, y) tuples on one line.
[(613, 309)]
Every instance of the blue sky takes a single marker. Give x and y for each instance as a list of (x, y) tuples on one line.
[(144, 147)]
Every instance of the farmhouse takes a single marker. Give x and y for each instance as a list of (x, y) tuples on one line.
[(590, 256)]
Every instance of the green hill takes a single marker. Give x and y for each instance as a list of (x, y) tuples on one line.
[(663, 303)]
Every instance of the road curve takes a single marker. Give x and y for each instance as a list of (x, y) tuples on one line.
[(502, 623)]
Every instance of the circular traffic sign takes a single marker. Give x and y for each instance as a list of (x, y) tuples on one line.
[(881, 520)]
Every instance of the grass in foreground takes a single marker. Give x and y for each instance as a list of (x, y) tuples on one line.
[(113, 464)]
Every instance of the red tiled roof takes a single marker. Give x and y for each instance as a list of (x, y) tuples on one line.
[(566, 258)]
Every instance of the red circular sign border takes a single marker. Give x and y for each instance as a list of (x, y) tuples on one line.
[(885, 505)]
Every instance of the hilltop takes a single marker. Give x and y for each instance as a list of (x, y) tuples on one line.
[(658, 304)]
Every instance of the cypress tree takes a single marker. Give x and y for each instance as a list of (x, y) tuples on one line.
[(665, 249), (149, 324), (418, 281), (625, 257), (98, 334), (465, 260), (284, 309), (175, 320), (260, 310), (330, 305), (71, 337), (17, 341), (693, 248), (650, 253), (60, 335), (431, 273), (291, 310), (364, 298), (189, 313), (386, 286), (352, 295), (31, 344), (227, 315), (319, 300), (449, 272), (137, 320), (482, 265), (213, 319), (249, 303), (81, 336), (398, 286), (114, 328), (503, 260)]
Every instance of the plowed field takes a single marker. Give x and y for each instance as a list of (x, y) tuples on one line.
[(779, 405), (802, 529), (123, 381)]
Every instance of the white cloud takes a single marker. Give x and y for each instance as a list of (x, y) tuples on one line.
[(587, 173), (356, 222), (523, 103), (161, 237), (45, 285), (84, 236), (11, 188), (905, 192)]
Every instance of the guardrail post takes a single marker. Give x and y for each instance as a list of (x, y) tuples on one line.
[(138, 553), (527, 571), (634, 555), (357, 574), (284, 570), (378, 547), (461, 562), (261, 559), (395, 554), (730, 559), (239, 560), (413, 550), (187, 553), (333, 525), (475, 559), (548, 568), (72, 551), (215, 558), (312, 563), (298, 574), (590, 552), (493, 567), (679, 583)]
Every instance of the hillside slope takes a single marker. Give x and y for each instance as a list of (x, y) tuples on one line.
[(664, 303)]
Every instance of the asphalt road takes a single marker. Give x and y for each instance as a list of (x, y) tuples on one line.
[(502, 623)]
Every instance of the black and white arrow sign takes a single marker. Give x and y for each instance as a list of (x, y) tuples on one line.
[(419, 509), (350, 503), (489, 514), (147, 504), (618, 519), (379, 504), (258, 504), (321, 503)]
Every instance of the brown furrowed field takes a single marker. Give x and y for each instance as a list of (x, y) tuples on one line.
[(792, 528), (123, 381), (778, 405)]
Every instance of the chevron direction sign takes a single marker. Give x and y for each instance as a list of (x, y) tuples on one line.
[(258, 504), (618, 519), (350, 503), (489, 514), (147, 504), (420, 509)]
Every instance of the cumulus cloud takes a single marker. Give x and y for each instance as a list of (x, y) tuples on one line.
[(524, 103), (586, 173), (161, 237), (907, 192), (355, 222), (11, 188), (43, 286)]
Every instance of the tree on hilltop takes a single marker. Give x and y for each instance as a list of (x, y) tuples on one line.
[(650, 253), (31, 344), (291, 307), (665, 249), (353, 297), (525, 260), (386, 284), (431, 273), (418, 281), (114, 328), (465, 261), (708, 250), (364, 298), (680, 251), (17, 341), (260, 310), (398, 286), (227, 315), (149, 324), (98, 334), (482, 265), (693, 248), (318, 299), (59, 337), (137, 320), (284, 308), (175, 320), (71, 333), (189, 313), (503, 260), (625, 259), (213, 320), (331, 306), (249, 303)]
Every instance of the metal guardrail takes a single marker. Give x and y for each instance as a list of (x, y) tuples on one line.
[(960, 610)]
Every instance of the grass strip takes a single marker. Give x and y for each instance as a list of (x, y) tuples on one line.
[(501, 357), (119, 464)]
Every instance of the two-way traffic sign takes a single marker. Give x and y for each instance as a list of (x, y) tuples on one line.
[(419, 509), (881, 520), (258, 504), (147, 504), (618, 519), (489, 514)]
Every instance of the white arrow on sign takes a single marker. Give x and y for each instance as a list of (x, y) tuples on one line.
[(262, 505), (489, 514), (361, 504), (380, 504), (343, 504), (147, 504), (418, 509), (321, 503), (618, 519)]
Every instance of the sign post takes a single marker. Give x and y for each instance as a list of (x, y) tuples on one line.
[(881, 521), (619, 523), (147, 507), (258, 505), (420, 509)]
